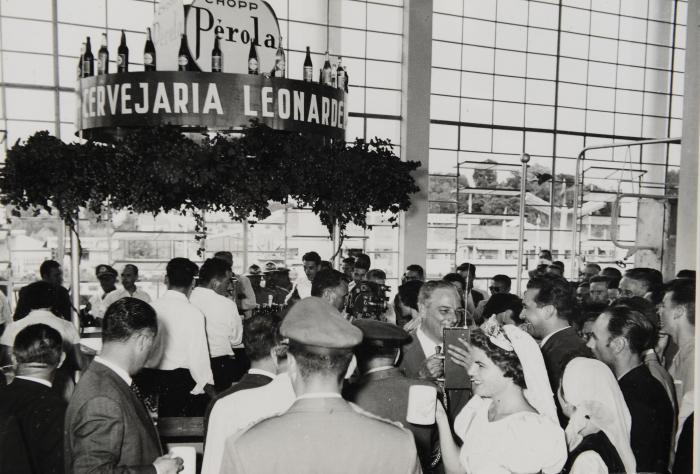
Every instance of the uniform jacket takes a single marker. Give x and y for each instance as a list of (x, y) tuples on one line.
[(385, 394), (322, 435), (39, 412), (108, 429)]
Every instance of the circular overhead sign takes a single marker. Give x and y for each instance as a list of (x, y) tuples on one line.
[(237, 24)]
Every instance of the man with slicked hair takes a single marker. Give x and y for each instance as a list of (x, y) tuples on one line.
[(107, 427), (37, 409)]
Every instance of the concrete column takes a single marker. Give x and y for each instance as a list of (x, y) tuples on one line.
[(415, 124), (687, 229)]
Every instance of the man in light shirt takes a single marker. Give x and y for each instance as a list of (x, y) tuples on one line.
[(243, 293), (130, 276), (223, 323), (302, 287), (181, 357), (107, 277), (264, 391)]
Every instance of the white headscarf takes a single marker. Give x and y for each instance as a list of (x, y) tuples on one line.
[(590, 387), (538, 392)]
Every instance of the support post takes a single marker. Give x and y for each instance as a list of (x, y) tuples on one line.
[(75, 272), (524, 159)]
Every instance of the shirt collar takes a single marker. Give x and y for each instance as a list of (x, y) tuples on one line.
[(123, 374), (546, 338), (319, 395), (35, 379), (175, 294), (426, 343), (261, 372), (379, 369)]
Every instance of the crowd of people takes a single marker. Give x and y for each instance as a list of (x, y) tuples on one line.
[(591, 376)]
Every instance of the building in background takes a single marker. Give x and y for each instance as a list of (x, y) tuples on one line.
[(507, 76)]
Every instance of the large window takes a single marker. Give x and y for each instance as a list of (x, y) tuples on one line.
[(547, 78), (37, 80)]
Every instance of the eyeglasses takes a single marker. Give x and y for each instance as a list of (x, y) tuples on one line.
[(496, 289)]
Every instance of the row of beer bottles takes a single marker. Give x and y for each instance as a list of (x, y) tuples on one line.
[(331, 75), (86, 64)]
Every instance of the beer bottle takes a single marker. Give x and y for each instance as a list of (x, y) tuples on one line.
[(88, 60), (253, 64), (103, 57), (123, 55), (334, 70), (280, 61), (149, 54), (340, 74), (183, 57), (326, 71), (80, 60), (308, 67), (216, 62)]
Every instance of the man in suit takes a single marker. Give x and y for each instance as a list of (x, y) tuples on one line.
[(321, 432), (38, 410), (438, 308), (107, 427), (618, 338), (383, 389), (260, 393), (549, 306)]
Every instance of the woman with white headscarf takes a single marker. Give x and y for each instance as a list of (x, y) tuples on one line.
[(510, 424), (598, 432)]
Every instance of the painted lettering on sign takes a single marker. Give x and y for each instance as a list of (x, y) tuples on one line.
[(236, 24), (212, 101)]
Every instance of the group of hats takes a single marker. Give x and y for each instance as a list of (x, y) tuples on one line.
[(321, 329)]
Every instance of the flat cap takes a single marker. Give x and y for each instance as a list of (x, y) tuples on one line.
[(316, 324), (381, 333), (104, 270)]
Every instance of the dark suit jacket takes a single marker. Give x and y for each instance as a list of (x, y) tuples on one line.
[(321, 435), (247, 382), (39, 412), (14, 458), (412, 358), (385, 394), (558, 352), (652, 419), (108, 429), (684, 452)]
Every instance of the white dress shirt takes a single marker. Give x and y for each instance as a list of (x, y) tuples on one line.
[(427, 344), (46, 383), (182, 339), (124, 293), (97, 304), (303, 287), (236, 412), (223, 323), (67, 331)]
